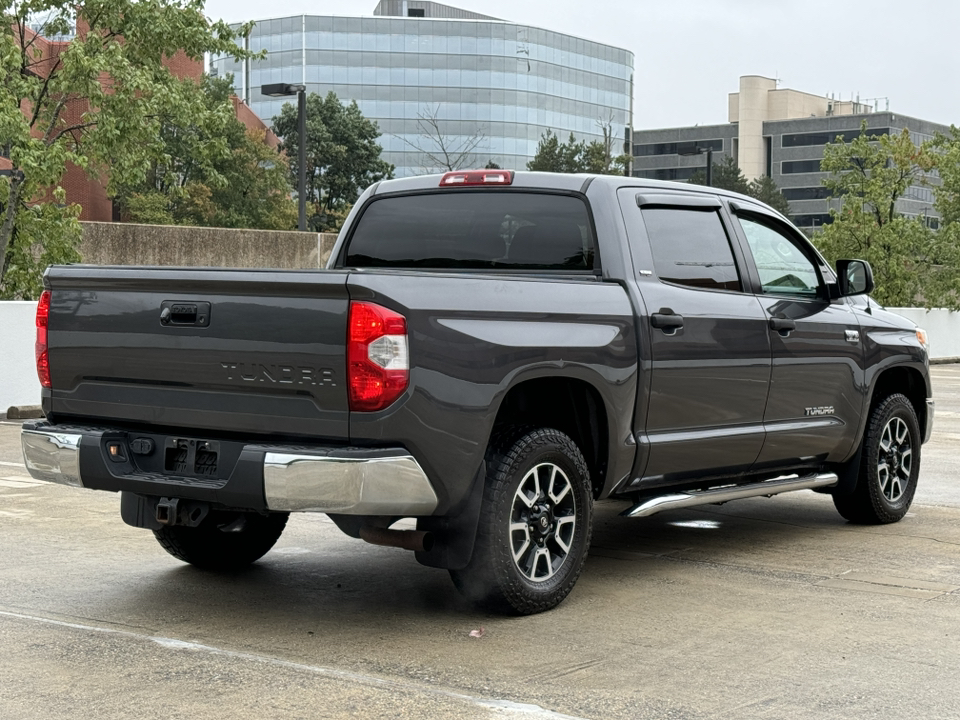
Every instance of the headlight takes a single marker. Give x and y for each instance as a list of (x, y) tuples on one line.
[(922, 337)]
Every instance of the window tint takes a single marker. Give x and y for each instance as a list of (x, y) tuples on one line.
[(690, 247), (784, 269), (474, 230)]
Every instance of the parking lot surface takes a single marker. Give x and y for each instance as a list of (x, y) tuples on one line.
[(761, 608)]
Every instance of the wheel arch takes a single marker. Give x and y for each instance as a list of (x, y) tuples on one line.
[(570, 405), (906, 380)]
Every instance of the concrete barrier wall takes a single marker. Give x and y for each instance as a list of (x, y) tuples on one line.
[(942, 326), (18, 375), (132, 244)]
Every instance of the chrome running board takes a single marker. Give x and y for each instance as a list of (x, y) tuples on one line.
[(652, 506)]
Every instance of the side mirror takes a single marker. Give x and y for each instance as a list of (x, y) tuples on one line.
[(855, 277)]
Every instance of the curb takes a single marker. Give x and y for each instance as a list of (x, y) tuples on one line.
[(24, 412), (944, 360)]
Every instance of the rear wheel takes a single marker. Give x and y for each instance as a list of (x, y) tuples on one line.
[(535, 525), (224, 540), (888, 468)]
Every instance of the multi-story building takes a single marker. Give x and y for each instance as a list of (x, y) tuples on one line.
[(481, 77), (781, 133)]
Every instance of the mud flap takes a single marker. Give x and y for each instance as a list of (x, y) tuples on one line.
[(455, 534)]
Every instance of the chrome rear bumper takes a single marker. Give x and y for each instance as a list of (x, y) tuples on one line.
[(348, 481), (52, 456), (347, 485)]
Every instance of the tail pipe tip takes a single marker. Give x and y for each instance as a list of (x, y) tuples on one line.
[(416, 540)]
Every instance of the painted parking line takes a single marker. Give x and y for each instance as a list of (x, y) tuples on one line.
[(11, 481), (503, 707)]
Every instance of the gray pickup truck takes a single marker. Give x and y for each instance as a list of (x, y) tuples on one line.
[(488, 353)]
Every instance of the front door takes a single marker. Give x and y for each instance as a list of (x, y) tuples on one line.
[(709, 349), (814, 404)]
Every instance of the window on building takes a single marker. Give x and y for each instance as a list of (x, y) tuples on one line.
[(416, 12), (648, 149), (790, 167), (806, 193), (822, 138), (681, 174), (690, 247), (812, 220)]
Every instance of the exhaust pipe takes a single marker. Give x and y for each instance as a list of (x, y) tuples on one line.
[(416, 540)]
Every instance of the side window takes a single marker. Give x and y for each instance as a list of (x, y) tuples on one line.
[(690, 247), (784, 268)]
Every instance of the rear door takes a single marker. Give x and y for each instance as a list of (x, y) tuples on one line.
[(247, 351), (814, 405), (709, 345)]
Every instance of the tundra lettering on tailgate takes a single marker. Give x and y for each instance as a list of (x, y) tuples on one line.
[(283, 374)]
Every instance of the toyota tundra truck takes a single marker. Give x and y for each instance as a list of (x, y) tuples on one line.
[(487, 353)]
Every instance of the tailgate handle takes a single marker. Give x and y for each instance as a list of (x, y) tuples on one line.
[(181, 313)]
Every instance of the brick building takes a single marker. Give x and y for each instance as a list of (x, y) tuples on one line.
[(90, 192)]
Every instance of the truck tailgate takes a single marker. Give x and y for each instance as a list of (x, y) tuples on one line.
[(251, 351)]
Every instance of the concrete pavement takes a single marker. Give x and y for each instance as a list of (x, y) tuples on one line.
[(761, 608)]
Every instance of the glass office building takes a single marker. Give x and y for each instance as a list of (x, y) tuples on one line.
[(509, 83)]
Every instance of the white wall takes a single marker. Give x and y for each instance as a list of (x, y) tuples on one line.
[(942, 326), (18, 371)]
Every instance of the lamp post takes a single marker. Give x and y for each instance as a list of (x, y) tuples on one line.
[(693, 148), (285, 90)]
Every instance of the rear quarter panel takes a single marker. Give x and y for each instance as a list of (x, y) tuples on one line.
[(472, 338)]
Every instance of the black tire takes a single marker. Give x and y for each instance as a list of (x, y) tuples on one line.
[(493, 578), (887, 481), (224, 540)]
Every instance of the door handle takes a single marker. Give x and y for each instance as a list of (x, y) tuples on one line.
[(782, 325), (666, 320)]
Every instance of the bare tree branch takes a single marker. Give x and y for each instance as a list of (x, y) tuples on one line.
[(443, 152)]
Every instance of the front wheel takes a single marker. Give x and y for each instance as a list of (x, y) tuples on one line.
[(535, 524), (224, 540), (889, 466)]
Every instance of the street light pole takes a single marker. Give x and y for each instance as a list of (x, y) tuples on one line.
[(285, 90), (302, 180), (694, 148), (709, 167)]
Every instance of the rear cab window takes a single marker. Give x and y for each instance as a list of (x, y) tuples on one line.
[(474, 230)]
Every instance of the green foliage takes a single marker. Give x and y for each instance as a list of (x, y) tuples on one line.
[(343, 156), (99, 103), (727, 175), (555, 156), (214, 173), (911, 263), (44, 234), (766, 191), (948, 162), (491, 165)]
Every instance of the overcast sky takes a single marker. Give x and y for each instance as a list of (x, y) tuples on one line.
[(690, 53)]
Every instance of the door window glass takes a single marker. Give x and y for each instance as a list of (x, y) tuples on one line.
[(784, 268), (690, 247)]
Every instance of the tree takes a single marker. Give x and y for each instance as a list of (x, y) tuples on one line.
[(217, 174), (911, 263), (491, 165), (555, 156), (727, 175), (600, 156), (97, 102), (948, 162), (441, 152), (766, 191), (343, 156)]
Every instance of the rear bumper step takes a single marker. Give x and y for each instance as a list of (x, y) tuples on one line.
[(713, 496)]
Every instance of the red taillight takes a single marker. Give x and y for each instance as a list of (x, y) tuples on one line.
[(464, 178), (378, 364), (43, 363)]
